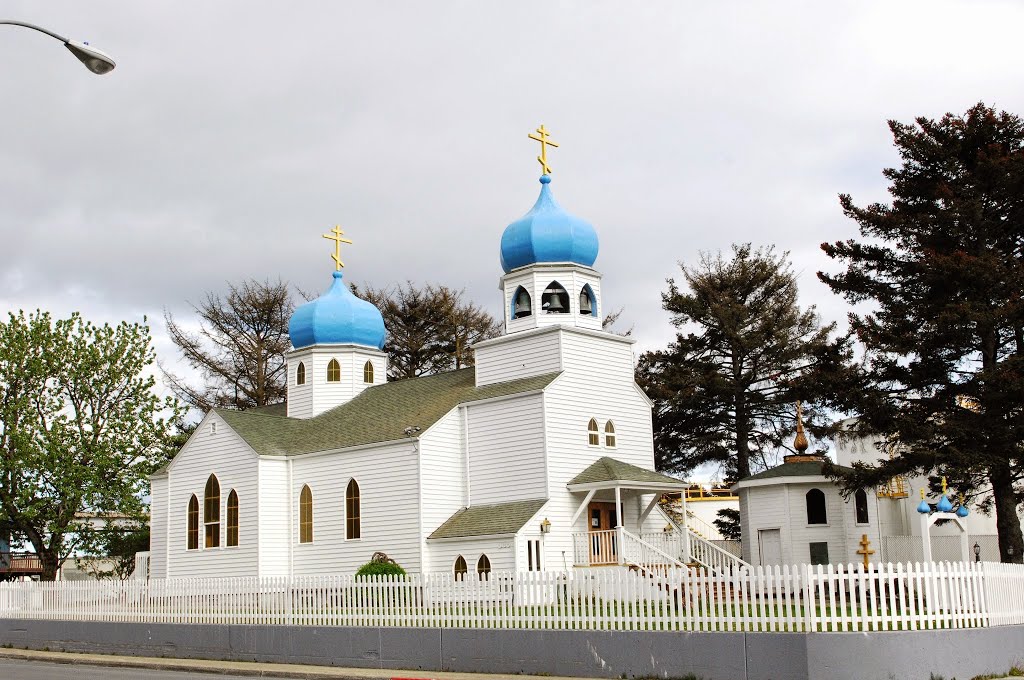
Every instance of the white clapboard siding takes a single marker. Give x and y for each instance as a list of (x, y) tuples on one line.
[(844, 598), (517, 356), (388, 478), (226, 455), (442, 554), (158, 526), (318, 395), (274, 517), (442, 472), (506, 450), (597, 382)]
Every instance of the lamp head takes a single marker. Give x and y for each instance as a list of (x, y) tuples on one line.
[(95, 60)]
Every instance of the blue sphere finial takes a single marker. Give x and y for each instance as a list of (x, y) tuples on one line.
[(923, 507), (545, 179), (962, 511), (944, 504), (337, 274)]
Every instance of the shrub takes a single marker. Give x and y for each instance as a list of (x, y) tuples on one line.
[(380, 565)]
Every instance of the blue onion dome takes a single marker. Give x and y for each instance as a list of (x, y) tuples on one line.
[(962, 511), (944, 504), (547, 234), (338, 317), (923, 507)]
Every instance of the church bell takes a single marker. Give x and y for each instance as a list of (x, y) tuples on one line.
[(585, 305), (522, 307)]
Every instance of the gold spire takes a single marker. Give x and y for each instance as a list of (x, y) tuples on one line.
[(336, 235), (800, 443), (542, 137), (943, 485)]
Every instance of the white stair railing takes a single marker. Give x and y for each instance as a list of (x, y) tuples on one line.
[(637, 551), (717, 560)]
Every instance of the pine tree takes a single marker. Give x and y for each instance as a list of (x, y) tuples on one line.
[(941, 270), (724, 391)]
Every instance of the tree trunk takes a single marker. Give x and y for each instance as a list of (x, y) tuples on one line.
[(1011, 540), (50, 565)]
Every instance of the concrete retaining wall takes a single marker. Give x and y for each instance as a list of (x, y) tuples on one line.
[(710, 656)]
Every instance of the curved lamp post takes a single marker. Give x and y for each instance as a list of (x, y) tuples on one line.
[(95, 60)]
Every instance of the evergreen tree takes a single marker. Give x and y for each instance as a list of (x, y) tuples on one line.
[(724, 391), (431, 329), (942, 271)]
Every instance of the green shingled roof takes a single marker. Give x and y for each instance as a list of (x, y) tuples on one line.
[(810, 468), (489, 520), (378, 414), (610, 470)]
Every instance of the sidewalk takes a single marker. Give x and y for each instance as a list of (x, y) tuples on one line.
[(264, 670)]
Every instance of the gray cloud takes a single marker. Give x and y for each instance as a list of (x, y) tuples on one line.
[(232, 134)]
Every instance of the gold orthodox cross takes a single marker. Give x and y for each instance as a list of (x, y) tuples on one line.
[(336, 236), (542, 137), (865, 550)]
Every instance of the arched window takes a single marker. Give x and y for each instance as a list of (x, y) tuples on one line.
[(211, 512), (193, 523), (483, 568), (352, 510), (593, 438), (816, 507), (305, 515), (521, 304), (555, 299), (368, 373), (460, 568), (333, 371), (588, 307), (609, 435), (232, 519), (300, 374), (860, 501)]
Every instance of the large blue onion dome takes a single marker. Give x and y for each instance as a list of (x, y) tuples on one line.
[(547, 234), (339, 317)]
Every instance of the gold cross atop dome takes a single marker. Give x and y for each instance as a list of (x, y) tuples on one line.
[(337, 235), (542, 137)]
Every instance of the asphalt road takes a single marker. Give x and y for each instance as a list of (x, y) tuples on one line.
[(13, 669)]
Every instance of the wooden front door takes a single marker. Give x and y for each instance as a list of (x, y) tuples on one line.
[(601, 524)]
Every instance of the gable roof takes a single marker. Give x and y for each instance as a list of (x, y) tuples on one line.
[(378, 414), (489, 520), (607, 469)]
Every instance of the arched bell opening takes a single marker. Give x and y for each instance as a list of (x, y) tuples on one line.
[(588, 303), (555, 299), (521, 304)]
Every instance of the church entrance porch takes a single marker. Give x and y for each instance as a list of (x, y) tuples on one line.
[(602, 535)]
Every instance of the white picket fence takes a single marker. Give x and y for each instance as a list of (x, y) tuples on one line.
[(885, 597)]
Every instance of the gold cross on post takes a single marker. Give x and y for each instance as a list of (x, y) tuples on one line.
[(865, 550), (336, 236), (542, 137)]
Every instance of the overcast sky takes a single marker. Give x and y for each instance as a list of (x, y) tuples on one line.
[(233, 134)]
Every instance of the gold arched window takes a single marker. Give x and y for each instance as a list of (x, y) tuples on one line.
[(333, 371), (593, 437), (300, 374), (193, 523), (461, 568), (609, 434), (232, 519), (483, 567), (211, 512), (352, 510), (368, 373), (305, 515)]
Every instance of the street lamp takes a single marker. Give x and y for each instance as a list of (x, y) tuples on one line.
[(977, 552), (95, 60)]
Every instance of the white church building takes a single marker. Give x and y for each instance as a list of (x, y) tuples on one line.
[(540, 457)]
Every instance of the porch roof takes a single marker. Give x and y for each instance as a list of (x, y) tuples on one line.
[(500, 519), (607, 473)]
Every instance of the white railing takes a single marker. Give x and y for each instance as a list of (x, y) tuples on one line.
[(701, 528), (717, 560), (847, 598), (638, 552), (595, 548)]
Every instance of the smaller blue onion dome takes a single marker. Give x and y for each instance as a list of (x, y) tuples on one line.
[(962, 511), (944, 504), (337, 317), (923, 507), (547, 234)]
